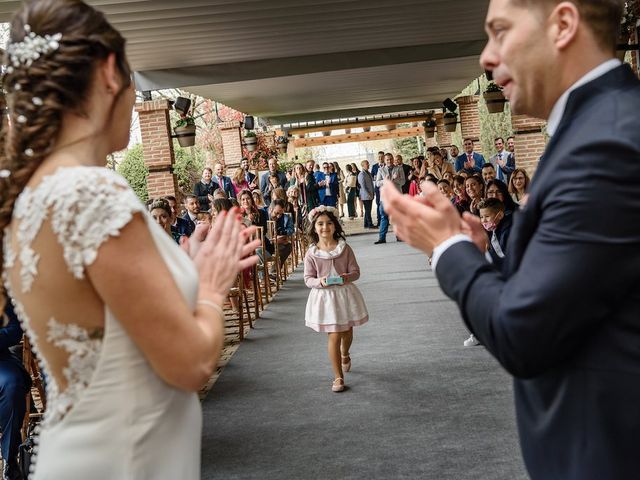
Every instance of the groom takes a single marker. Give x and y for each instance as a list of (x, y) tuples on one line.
[(563, 317)]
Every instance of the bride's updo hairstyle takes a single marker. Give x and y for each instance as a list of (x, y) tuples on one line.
[(54, 47)]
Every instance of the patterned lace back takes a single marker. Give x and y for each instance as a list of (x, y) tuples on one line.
[(57, 230)]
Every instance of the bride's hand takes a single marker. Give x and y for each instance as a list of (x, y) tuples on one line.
[(224, 253), (192, 244)]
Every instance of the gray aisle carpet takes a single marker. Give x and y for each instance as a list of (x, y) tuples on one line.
[(419, 404)]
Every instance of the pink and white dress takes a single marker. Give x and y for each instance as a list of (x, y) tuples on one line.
[(335, 308)]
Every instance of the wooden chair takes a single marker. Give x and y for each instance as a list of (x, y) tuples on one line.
[(36, 398), (239, 292), (263, 268), (275, 258)]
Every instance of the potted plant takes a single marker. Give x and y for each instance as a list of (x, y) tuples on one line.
[(450, 121), (494, 98), (281, 143), (250, 141), (430, 128), (185, 131)]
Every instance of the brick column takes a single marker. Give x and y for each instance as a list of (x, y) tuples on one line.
[(231, 144), (443, 138), (470, 119), (157, 146), (635, 55), (530, 141)]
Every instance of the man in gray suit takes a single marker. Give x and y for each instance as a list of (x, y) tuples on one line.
[(367, 193), (503, 162)]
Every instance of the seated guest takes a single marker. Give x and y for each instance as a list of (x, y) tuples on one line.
[(448, 176), (219, 193), (488, 173), (258, 199), (220, 205), (250, 211), (161, 214), (284, 228), (204, 189), (446, 190), (266, 185), (179, 226), (15, 384), (474, 187), (519, 184), (498, 227), (462, 200), (192, 207), (498, 189), (204, 218)]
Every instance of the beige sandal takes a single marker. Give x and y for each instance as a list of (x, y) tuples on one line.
[(338, 385), (346, 366)]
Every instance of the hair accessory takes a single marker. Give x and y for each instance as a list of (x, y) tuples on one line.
[(17, 87), (32, 47), (21, 119), (37, 101), (320, 210), (29, 152), (5, 173)]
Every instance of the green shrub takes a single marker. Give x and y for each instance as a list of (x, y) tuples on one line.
[(133, 169)]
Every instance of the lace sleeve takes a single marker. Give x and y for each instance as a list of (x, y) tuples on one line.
[(87, 211)]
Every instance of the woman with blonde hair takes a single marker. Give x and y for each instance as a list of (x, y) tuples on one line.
[(127, 325), (239, 181)]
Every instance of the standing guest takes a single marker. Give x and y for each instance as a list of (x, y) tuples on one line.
[(488, 173), (562, 316), (387, 173), (374, 175), (273, 182), (249, 176), (474, 186), (356, 172), (161, 214), (350, 182), (203, 190), (415, 172), (455, 153), (445, 155), (503, 161), (15, 384), (128, 325), (224, 182), (470, 161), (511, 150), (367, 194), (440, 167), (239, 182), (519, 185), (342, 196), (192, 209), (498, 189), (406, 170), (305, 182), (179, 226), (266, 186), (335, 305), (328, 187)]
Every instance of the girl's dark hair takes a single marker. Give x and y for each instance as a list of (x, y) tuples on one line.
[(509, 204), (61, 79), (220, 204), (311, 227)]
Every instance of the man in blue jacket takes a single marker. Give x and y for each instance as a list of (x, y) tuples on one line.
[(470, 161), (14, 386), (562, 316)]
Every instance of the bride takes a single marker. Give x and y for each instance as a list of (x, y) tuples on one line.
[(127, 326)]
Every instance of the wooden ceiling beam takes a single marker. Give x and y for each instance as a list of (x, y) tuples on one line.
[(352, 125), (358, 137)]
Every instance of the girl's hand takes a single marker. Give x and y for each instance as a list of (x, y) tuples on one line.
[(345, 277), (323, 281)]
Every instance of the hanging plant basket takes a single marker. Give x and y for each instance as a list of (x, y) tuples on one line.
[(430, 129), (495, 101), (450, 121), (251, 142), (186, 135)]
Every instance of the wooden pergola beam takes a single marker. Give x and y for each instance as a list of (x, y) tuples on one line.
[(358, 137), (351, 125)]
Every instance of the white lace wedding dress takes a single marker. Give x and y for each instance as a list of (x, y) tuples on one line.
[(109, 416)]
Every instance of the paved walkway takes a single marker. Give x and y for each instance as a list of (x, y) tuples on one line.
[(419, 405)]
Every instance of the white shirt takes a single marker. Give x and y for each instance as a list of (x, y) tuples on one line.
[(553, 122)]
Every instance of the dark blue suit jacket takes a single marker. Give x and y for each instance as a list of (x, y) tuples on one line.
[(226, 185), (334, 187), (566, 323), (477, 158)]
